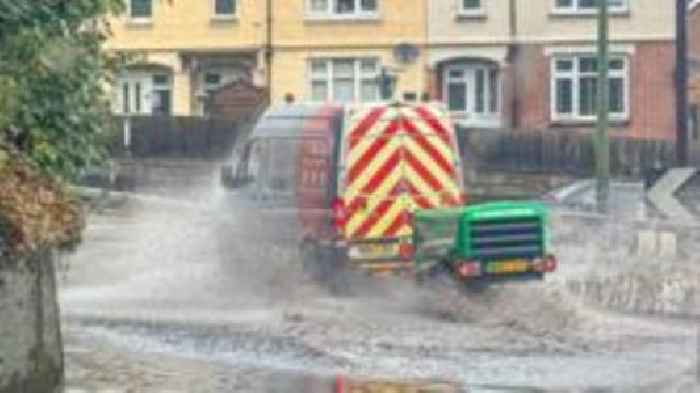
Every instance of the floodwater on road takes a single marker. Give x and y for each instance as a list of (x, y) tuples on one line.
[(172, 296)]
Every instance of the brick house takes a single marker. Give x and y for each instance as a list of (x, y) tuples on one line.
[(333, 50), (182, 52), (179, 52), (531, 64), (497, 64)]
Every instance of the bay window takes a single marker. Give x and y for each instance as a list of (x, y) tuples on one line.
[(344, 80), (575, 88)]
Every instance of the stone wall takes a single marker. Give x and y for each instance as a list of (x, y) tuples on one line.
[(31, 350)]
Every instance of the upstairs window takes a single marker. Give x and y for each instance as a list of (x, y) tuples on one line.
[(224, 8), (470, 6), (140, 9), (587, 6), (343, 8)]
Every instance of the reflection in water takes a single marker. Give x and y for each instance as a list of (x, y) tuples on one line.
[(310, 384), (281, 383)]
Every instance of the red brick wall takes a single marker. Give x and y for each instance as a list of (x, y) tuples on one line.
[(526, 92), (532, 83), (508, 95), (652, 91)]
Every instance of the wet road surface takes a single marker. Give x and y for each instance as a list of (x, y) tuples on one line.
[(162, 298)]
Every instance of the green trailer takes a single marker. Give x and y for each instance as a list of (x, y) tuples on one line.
[(485, 243)]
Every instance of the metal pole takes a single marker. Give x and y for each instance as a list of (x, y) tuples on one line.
[(269, 47), (602, 138), (681, 83)]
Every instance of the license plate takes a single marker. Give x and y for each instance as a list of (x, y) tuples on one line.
[(375, 250), (515, 266)]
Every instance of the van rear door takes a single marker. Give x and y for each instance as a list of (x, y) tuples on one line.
[(431, 161), (397, 159)]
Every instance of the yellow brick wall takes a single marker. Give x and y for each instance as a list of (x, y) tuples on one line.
[(188, 24), (398, 21), (299, 37)]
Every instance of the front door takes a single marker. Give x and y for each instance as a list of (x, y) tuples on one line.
[(135, 92), (472, 93)]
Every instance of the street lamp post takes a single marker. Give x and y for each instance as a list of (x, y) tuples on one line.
[(682, 82), (602, 139)]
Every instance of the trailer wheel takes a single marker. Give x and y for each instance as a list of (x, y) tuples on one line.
[(325, 267), (333, 272), (476, 287), (439, 276)]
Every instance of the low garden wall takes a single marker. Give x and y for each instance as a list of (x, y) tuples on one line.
[(31, 351)]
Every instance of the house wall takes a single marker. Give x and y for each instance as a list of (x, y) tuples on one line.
[(189, 25), (397, 21), (179, 27), (538, 22), (652, 96), (647, 20), (447, 27), (514, 35), (521, 39), (299, 37)]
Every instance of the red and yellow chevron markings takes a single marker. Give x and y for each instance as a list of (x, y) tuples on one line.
[(399, 158)]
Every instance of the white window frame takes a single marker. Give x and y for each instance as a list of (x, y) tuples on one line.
[(575, 76), (466, 12), (139, 19), (329, 13), (329, 79), (168, 86), (217, 16), (576, 9), (486, 119)]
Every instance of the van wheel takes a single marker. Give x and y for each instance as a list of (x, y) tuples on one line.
[(334, 272), (311, 260)]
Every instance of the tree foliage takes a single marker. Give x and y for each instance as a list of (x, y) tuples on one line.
[(54, 77)]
